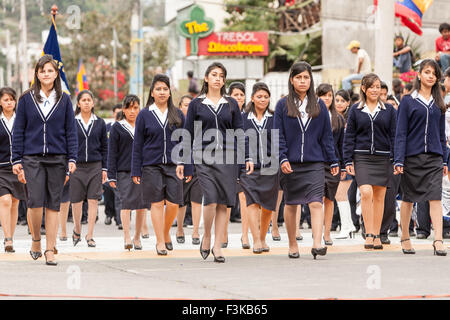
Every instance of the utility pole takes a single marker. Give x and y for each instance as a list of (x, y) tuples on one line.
[(136, 59), (24, 51), (384, 39)]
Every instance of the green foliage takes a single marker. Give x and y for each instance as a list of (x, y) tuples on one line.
[(257, 15)]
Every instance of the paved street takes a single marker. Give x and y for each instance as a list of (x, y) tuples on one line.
[(107, 271)]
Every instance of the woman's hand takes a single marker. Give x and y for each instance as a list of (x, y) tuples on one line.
[(445, 170), (286, 168), (398, 170), (104, 177), (21, 177), (72, 167), (335, 171), (67, 179), (113, 184), (350, 170), (249, 167), (180, 171), (137, 180), (17, 168), (343, 175)]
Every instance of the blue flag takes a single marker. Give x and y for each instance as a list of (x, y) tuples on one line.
[(52, 47)]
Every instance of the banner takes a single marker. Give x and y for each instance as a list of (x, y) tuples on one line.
[(234, 44)]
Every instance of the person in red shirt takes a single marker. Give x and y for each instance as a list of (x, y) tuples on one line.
[(443, 46)]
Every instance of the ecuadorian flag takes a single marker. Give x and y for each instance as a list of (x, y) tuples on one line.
[(82, 83), (52, 47), (411, 11)]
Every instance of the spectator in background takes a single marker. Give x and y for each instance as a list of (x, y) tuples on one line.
[(402, 55), (193, 84), (384, 92), (407, 89), (397, 88), (447, 87), (392, 100), (112, 200), (443, 46), (362, 64)]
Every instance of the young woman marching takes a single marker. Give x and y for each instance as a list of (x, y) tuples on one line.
[(217, 114), (325, 92), (91, 173), (152, 165), (260, 188), (306, 143), (45, 147), (237, 92), (11, 189), (192, 193), (368, 148), (342, 103), (120, 149), (420, 151)]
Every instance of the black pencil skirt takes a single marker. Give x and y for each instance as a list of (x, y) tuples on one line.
[(65, 195), (192, 192), (160, 182), (331, 183), (422, 178), (305, 185), (260, 189), (218, 183), (45, 179), (131, 197), (374, 170), (86, 182), (9, 184)]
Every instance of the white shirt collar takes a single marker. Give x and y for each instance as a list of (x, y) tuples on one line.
[(252, 116), (47, 102), (86, 125), (208, 102), (162, 116), (9, 123), (127, 125), (372, 113), (417, 95), (302, 108)]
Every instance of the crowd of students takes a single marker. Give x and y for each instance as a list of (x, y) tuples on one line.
[(312, 150)]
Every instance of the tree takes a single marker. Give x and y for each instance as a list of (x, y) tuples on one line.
[(261, 15)]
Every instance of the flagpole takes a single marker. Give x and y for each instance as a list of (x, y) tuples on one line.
[(115, 63)]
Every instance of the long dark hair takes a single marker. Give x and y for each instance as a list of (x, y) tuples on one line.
[(36, 86), (250, 107), (128, 101), (367, 81), (313, 108), (79, 96), (211, 67), (236, 85), (9, 91), (337, 121), (172, 114), (435, 90)]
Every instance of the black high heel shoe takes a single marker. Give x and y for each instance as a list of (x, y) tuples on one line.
[(318, 252), (204, 253), (10, 247), (225, 244), (76, 240), (161, 252), (36, 254), (219, 259), (137, 247), (327, 242), (91, 243), (407, 251), (369, 246), (49, 263), (245, 246), (377, 247), (439, 252), (169, 246), (294, 255), (181, 239)]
